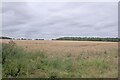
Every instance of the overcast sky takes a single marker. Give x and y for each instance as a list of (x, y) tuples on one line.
[(52, 20)]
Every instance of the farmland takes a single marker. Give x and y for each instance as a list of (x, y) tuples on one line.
[(49, 58)]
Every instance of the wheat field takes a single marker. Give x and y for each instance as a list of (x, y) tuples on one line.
[(104, 54), (63, 47)]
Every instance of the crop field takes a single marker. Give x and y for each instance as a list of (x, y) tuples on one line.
[(64, 59)]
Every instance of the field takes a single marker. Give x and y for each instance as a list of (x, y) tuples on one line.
[(82, 59)]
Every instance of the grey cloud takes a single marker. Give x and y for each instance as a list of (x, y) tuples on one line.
[(51, 20), (13, 14)]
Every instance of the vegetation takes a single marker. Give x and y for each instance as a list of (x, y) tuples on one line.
[(74, 39), (5, 38), (0, 61), (20, 63), (88, 39), (39, 39)]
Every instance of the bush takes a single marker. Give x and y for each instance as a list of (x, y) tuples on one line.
[(17, 62), (12, 60)]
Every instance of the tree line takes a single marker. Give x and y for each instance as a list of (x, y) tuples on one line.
[(5, 37), (18, 38), (73, 39), (89, 39)]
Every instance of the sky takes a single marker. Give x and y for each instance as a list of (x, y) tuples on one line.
[(50, 20)]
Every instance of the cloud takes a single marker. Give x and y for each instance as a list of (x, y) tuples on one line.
[(54, 19)]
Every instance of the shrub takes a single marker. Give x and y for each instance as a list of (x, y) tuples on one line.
[(17, 62), (13, 60)]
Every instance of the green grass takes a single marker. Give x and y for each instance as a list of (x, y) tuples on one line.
[(19, 63)]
